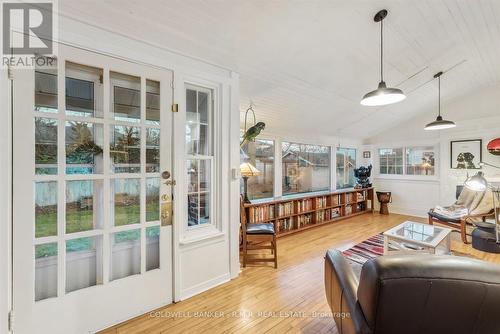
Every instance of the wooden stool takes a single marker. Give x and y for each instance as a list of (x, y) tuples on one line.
[(257, 236), (384, 197)]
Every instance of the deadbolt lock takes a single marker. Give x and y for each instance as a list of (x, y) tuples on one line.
[(165, 175)]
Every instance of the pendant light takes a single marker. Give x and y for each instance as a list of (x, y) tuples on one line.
[(439, 123), (382, 95)]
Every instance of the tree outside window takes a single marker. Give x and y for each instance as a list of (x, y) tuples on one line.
[(346, 163)]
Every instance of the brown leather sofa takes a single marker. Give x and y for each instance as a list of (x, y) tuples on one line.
[(410, 294)]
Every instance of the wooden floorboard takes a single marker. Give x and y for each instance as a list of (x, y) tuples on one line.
[(289, 299)]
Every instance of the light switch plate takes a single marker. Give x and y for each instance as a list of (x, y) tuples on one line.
[(236, 173)]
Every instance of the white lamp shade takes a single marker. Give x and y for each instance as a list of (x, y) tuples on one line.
[(440, 124), (383, 96)]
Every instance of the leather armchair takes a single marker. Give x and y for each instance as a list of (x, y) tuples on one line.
[(424, 294)]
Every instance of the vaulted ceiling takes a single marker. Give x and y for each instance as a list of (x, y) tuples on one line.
[(306, 64)]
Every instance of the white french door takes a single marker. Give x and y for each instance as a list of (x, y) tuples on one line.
[(91, 140)]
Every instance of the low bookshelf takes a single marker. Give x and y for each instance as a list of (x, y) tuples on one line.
[(294, 214)]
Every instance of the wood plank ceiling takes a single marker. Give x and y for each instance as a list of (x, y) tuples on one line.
[(306, 64)]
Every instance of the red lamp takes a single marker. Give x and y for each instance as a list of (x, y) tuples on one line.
[(494, 146)]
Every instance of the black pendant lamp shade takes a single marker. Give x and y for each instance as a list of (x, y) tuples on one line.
[(439, 123), (382, 95)]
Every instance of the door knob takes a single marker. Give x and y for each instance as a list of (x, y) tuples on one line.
[(165, 175)]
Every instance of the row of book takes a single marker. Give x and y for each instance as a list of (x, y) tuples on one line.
[(285, 209), (261, 213), (266, 213), (326, 215), (304, 220), (336, 200), (321, 202), (285, 225), (305, 205), (288, 224)]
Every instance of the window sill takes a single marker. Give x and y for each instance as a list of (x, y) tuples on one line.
[(414, 178), (304, 194)]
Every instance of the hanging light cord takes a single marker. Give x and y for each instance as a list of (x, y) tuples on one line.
[(439, 95), (382, 50)]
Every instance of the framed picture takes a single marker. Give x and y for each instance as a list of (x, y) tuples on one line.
[(366, 154), (466, 154)]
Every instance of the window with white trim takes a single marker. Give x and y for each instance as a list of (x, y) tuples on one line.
[(305, 168), (87, 204), (346, 163), (411, 160), (420, 160), (260, 153), (391, 161), (199, 155)]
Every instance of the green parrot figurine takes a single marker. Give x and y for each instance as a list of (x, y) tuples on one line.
[(252, 133)]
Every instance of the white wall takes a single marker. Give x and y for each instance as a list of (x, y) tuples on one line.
[(477, 116)]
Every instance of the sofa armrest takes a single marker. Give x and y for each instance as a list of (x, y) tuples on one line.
[(341, 285)]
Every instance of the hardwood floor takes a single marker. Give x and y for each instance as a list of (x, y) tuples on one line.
[(287, 300)]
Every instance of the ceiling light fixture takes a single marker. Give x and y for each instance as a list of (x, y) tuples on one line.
[(439, 123), (382, 95)]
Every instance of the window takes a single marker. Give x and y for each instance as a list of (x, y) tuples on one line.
[(418, 160), (306, 168), (346, 163), (260, 154), (391, 160), (199, 155)]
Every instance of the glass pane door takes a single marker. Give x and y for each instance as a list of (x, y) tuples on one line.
[(90, 144)]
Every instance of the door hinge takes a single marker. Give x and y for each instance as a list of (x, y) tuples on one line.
[(11, 321), (175, 107)]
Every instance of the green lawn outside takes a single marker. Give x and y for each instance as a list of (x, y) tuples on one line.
[(78, 220)]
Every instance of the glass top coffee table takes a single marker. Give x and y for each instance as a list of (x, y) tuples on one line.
[(414, 237)]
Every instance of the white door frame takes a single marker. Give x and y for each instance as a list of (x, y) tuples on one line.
[(115, 289), (5, 199)]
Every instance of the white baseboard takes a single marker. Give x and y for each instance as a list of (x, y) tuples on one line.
[(199, 288), (416, 212)]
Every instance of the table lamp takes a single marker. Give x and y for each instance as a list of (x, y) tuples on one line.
[(247, 170)]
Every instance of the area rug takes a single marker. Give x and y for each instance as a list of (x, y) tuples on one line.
[(366, 250), (369, 249)]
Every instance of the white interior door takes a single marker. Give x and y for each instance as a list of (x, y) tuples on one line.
[(91, 139)]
